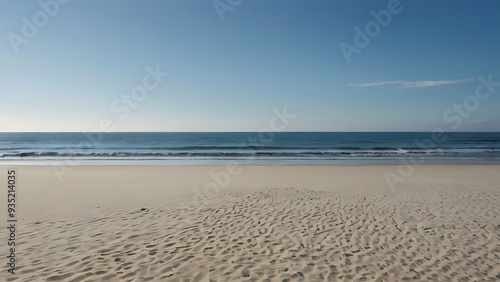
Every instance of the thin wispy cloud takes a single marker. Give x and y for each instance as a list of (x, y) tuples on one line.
[(410, 84), (483, 120)]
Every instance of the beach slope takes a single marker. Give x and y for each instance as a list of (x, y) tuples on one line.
[(268, 223)]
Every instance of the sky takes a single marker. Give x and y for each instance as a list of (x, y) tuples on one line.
[(230, 65)]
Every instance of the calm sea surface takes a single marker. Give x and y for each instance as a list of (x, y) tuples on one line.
[(248, 145)]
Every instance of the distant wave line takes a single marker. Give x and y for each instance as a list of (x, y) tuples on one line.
[(360, 153)]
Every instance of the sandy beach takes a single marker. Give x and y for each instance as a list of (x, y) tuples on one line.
[(265, 223)]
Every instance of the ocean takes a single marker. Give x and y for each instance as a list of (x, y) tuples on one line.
[(197, 146)]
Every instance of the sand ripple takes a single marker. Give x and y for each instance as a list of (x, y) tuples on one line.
[(442, 232)]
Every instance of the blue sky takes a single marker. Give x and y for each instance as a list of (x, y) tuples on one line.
[(229, 69)]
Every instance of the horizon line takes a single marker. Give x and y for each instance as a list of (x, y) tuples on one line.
[(245, 131)]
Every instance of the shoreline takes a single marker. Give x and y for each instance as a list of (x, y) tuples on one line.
[(256, 162)]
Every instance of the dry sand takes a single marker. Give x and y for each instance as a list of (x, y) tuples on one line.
[(268, 224)]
